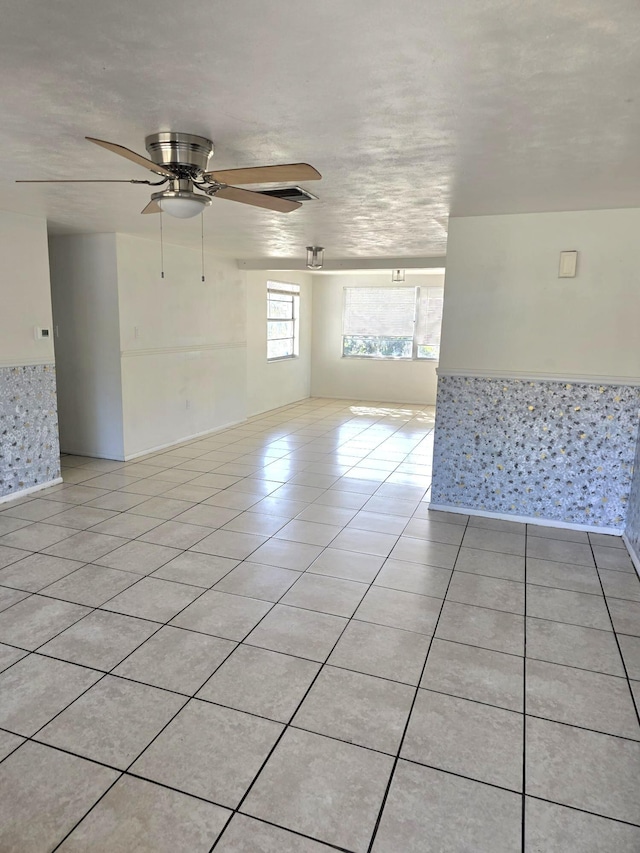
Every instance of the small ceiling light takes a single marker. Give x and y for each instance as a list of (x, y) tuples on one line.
[(315, 257), (397, 276), (182, 204)]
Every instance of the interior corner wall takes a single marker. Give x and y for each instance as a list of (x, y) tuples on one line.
[(391, 381), (276, 383), (84, 290), (182, 343), (29, 449), (539, 379)]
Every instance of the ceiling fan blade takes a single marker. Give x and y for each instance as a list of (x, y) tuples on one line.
[(266, 174), (282, 205), (152, 207), (81, 181), (131, 155)]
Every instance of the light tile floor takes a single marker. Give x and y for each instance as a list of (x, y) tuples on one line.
[(265, 640)]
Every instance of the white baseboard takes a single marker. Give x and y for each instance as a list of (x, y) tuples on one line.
[(89, 454), (635, 557), (281, 408), (527, 519), (24, 492), (365, 402), (184, 440)]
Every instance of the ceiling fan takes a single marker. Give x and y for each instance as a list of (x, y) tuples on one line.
[(181, 160)]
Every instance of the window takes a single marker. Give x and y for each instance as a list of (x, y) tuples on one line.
[(429, 322), (283, 326), (392, 322)]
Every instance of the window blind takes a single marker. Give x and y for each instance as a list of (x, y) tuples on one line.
[(429, 321), (379, 311)]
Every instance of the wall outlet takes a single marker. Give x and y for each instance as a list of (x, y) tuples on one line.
[(187, 404), (136, 331)]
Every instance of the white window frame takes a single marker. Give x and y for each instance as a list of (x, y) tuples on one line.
[(414, 337), (284, 288)]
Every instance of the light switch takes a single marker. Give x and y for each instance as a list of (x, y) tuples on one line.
[(568, 263)]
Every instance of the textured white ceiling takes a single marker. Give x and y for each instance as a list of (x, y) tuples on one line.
[(411, 109)]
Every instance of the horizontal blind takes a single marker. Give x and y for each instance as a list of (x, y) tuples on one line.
[(379, 311), (429, 323)]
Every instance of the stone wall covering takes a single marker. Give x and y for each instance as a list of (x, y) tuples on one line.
[(29, 447), (545, 449), (633, 515)]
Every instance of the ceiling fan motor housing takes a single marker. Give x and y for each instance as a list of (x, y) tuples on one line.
[(183, 153)]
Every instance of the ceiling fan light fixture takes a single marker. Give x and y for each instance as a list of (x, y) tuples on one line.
[(182, 205), (315, 257)]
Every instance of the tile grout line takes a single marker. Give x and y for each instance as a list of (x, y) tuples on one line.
[(32, 738), (189, 699), (134, 775), (167, 623), (173, 717), (297, 657), (288, 724), (42, 592), (408, 720), (123, 466), (624, 664), (103, 674), (524, 702), (369, 585), (296, 832), (163, 520)]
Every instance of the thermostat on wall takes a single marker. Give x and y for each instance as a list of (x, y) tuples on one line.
[(41, 334)]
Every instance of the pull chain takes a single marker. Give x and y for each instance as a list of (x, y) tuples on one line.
[(161, 249), (202, 241)]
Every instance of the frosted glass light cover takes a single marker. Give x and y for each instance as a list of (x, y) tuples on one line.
[(183, 208)]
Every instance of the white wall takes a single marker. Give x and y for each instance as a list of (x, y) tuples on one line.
[(143, 361), (24, 290), (508, 316), (84, 290), (507, 310), (361, 378), (277, 383), (29, 448), (184, 370)]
